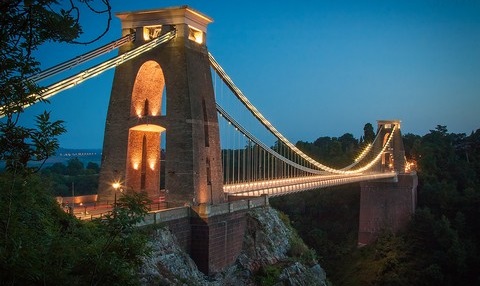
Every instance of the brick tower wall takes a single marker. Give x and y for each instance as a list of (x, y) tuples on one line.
[(386, 206), (217, 240)]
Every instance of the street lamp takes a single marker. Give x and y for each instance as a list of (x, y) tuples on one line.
[(116, 186)]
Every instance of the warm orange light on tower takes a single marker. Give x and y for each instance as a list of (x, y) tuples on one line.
[(143, 172), (195, 35), (151, 32), (147, 90), (135, 165), (410, 166)]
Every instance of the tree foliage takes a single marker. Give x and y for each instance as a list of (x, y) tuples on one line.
[(368, 133), (63, 178), (19, 145), (440, 246), (24, 26), (333, 151), (40, 244)]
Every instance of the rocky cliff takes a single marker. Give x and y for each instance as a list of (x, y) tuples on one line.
[(272, 254)]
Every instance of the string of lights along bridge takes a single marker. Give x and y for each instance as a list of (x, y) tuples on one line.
[(257, 159)]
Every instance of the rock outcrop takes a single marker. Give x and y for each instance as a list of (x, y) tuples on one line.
[(267, 255)]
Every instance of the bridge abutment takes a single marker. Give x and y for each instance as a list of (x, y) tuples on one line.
[(216, 239), (386, 206), (212, 234)]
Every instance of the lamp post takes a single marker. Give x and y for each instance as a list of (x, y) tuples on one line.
[(116, 186)]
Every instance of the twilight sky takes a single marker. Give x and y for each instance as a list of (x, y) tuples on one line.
[(314, 68)]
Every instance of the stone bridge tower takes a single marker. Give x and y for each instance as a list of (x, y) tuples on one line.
[(393, 159), (387, 204), (166, 93)]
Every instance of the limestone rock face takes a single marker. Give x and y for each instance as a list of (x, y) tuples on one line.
[(266, 239), (266, 244), (168, 264), (299, 274)]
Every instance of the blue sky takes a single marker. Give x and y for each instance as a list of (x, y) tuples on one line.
[(314, 68)]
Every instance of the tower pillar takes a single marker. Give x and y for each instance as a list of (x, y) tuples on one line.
[(387, 205), (162, 113)]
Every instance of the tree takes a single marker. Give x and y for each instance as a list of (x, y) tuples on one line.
[(74, 167), (368, 133), (349, 143), (411, 142), (39, 243), (440, 245), (58, 168), (92, 168), (24, 26), (42, 245)]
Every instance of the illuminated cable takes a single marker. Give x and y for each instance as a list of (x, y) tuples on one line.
[(238, 93), (96, 70), (82, 58)]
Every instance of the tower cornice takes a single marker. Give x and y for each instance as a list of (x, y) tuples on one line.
[(167, 16)]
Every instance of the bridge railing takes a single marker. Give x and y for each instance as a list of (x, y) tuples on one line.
[(162, 216), (230, 207)]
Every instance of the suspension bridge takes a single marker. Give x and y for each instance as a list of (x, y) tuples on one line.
[(179, 127)]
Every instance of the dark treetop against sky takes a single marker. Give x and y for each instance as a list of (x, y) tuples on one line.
[(314, 68)]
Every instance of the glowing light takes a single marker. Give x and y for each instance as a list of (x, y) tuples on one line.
[(116, 185), (281, 186), (146, 93), (363, 153), (410, 166), (148, 127), (195, 35), (151, 32), (135, 165)]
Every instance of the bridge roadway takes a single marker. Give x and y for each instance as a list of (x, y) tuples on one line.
[(280, 187)]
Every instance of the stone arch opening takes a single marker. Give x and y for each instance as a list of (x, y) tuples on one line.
[(144, 156), (148, 90), (387, 156)]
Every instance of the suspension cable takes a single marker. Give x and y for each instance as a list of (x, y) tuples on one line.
[(250, 136), (287, 161), (238, 93), (82, 58), (95, 70), (364, 153)]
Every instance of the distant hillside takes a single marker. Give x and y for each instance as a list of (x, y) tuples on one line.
[(85, 155), (63, 155)]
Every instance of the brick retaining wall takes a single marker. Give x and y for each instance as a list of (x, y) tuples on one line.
[(211, 234)]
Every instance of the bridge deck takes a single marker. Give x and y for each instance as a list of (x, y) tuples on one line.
[(287, 186)]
